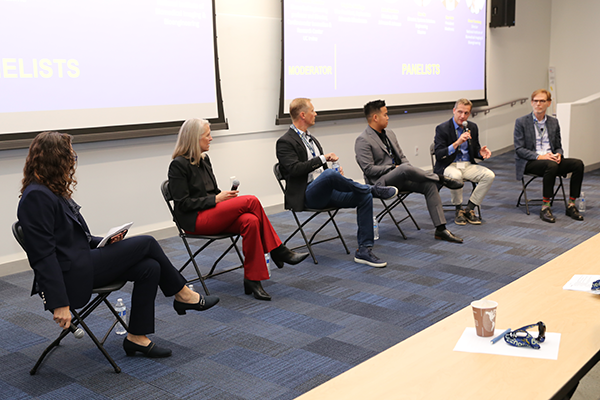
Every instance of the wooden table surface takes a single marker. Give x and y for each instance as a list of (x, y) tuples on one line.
[(425, 366)]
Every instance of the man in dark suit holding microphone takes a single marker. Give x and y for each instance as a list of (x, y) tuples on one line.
[(538, 150), (456, 148)]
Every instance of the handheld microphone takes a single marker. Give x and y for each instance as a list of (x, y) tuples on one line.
[(235, 184), (466, 129), (77, 332)]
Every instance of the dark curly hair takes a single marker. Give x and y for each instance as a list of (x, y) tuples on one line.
[(51, 162)]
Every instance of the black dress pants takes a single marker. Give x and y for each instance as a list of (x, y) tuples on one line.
[(549, 170), (140, 260)]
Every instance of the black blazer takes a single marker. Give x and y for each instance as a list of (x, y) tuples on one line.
[(57, 248), (445, 135), (295, 167), (188, 184)]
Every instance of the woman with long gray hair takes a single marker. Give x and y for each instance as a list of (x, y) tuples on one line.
[(202, 208)]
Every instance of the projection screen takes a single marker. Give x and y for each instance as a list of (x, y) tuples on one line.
[(415, 54), (106, 65)]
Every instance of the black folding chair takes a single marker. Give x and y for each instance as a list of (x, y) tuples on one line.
[(388, 207), (101, 293), (233, 237), (309, 243), (531, 178), (450, 207)]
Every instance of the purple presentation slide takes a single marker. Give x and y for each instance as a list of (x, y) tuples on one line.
[(88, 54), (422, 48)]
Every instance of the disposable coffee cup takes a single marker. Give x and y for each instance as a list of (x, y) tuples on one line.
[(484, 312)]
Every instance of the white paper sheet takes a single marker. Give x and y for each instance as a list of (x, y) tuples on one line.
[(582, 283), (471, 343), (112, 232)]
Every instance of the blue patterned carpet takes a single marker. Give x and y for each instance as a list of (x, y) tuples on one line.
[(323, 320)]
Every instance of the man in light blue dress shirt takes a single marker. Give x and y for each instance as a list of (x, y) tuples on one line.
[(538, 151), (456, 148)]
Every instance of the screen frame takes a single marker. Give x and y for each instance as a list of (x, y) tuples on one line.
[(284, 118), (21, 140)]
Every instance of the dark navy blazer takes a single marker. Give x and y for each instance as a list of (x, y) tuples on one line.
[(445, 135), (57, 248)]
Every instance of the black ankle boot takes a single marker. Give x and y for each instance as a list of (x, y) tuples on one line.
[(282, 254), (255, 288)]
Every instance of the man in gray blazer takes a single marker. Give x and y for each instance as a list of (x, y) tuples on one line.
[(538, 151), (383, 163)]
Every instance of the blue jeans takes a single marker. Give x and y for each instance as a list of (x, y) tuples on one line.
[(331, 189)]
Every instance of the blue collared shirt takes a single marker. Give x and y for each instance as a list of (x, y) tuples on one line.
[(463, 155)]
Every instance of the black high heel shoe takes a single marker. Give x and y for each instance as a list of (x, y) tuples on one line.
[(283, 254), (255, 288), (203, 304), (150, 351)]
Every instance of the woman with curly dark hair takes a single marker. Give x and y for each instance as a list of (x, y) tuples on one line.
[(63, 254)]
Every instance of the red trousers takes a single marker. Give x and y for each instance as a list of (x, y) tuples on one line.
[(243, 215)]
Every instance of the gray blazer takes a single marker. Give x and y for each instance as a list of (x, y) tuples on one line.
[(524, 137), (372, 155)]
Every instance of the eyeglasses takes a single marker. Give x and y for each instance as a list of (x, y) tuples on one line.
[(539, 101)]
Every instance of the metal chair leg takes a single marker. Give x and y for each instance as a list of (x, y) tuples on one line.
[(308, 243), (387, 210), (97, 342), (47, 350)]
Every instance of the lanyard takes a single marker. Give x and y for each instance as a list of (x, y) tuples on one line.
[(306, 143), (521, 338), (388, 145), (541, 128), (458, 132)]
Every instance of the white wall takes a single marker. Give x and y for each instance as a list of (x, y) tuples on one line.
[(574, 45), (578, 123), (119, 180)]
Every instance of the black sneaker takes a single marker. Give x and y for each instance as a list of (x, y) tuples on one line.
[(459, 218), (450, 183), (384, 192), (364, 255), (471, 217)]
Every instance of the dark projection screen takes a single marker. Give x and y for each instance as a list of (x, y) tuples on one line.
[(94, 64), (343, 53)]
